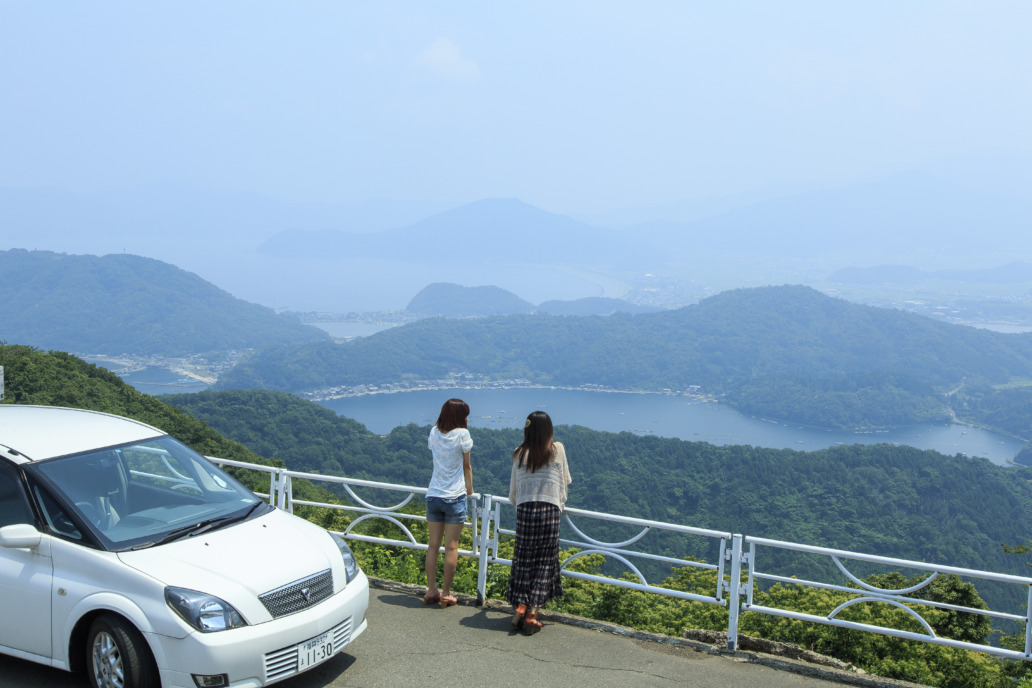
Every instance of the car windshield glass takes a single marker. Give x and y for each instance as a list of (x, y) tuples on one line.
[(135, 495)]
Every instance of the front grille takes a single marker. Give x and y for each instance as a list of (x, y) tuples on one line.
[(282, 663), (299, 595)]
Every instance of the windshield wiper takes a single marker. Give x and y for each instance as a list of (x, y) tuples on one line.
[(198, 528)]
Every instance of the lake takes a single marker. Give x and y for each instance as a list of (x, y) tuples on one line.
[(656, 414), (643, 414)]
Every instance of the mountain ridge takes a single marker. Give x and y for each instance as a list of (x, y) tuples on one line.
[(785, 352), (121, 303), (450, 300), (505, 229)]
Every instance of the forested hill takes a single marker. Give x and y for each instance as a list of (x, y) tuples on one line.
[(35, 377), (895, 501), (788, 352), (456, 301), (127, 304)]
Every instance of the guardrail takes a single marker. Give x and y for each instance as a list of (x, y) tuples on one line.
[(737, 574)]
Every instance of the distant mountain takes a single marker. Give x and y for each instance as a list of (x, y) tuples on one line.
[(780, 352), (593, 305), (1017, 272), (497, 231), (457, 301), (128, 304), (213, 234)]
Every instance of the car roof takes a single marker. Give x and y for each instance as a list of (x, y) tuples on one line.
[(43, 432)]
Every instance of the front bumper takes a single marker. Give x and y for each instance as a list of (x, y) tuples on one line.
[(255, 656)]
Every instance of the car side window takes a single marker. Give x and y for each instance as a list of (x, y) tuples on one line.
[(14, 507)]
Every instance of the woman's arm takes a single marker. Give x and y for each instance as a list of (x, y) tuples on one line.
[(512, 484), (467, 472)]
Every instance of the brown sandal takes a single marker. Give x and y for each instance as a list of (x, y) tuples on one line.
[(448, 601), (517, 618), (531, 625), (431, 599)]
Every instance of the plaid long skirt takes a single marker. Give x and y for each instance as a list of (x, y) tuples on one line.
[(535, 577)]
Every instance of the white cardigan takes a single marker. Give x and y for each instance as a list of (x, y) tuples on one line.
[(547, 484)]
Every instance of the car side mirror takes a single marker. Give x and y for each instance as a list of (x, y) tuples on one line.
[(20, 535)]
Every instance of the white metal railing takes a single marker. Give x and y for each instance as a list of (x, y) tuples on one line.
[(897, 598), (281, 494), (618, 551), (737, 573)]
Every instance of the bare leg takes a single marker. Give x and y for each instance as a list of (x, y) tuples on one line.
[(432, 549), (452, 533)]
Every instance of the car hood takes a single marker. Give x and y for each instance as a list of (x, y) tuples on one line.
[(243, 561)]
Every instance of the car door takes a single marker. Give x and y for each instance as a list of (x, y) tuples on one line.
[(26, 577)]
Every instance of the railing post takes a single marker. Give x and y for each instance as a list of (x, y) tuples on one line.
[(281, 489), (733, 603), (1028, 624), (483, 552)]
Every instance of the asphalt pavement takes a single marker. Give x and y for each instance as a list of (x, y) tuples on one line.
[(411, 644)]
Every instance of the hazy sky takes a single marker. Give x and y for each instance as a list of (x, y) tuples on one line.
[(572, 106)]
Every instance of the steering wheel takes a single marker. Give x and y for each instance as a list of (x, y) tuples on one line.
[(91, 512)]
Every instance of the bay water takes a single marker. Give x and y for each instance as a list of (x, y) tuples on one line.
[(657, 414), (663, 415)]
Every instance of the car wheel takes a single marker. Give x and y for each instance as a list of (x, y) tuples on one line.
[(117, 656)]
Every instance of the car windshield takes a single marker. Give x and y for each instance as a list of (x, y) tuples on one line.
[(146, 493)]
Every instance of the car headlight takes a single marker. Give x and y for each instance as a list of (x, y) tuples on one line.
[(206, 613), (350, 565)]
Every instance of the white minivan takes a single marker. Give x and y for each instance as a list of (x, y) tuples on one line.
[(129, 556)]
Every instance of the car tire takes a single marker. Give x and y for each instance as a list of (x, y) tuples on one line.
[(117, 656)]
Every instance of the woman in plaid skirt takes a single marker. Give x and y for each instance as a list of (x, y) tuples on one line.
[(538, 489)]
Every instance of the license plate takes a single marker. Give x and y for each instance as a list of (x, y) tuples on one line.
[(315, 650)]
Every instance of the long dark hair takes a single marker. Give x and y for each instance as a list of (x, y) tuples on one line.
[(536, 450), (454, 413)]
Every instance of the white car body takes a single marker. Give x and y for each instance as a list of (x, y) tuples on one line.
[(56, 584)]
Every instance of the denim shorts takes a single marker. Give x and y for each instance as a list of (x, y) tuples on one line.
[(446, 509)]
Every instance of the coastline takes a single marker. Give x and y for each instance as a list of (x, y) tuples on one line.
[(325, 395)]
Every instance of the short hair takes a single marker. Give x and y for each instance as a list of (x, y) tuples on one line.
[(536, 450), (454, 413)]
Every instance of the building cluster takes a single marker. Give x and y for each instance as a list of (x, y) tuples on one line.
[(201, 367), (470, 381), (454, 381)]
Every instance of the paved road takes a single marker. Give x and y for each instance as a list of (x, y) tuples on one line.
[(409, 644)]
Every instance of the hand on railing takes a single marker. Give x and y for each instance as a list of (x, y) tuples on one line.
[(472, 502)]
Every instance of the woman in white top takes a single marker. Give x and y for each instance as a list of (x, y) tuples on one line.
[(451, 483), (538, 489)]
